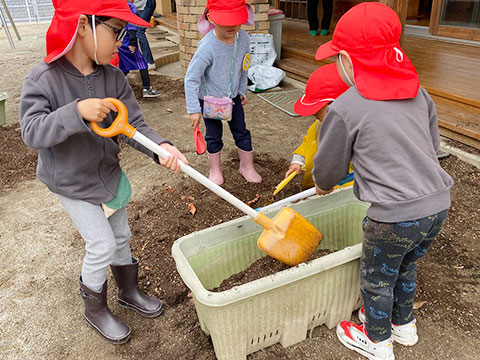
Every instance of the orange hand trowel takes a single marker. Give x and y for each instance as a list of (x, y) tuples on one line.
[(288, 237), (199, 141)]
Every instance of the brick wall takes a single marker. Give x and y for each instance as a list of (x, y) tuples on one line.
[(188, 13)]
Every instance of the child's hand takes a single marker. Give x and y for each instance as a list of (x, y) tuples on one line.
[(132, 49), (171, 162), (244, 99), (95, 109), (195, 119), (294, 168), (321, 191)]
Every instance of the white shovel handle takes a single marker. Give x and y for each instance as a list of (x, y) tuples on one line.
[(194, 174)]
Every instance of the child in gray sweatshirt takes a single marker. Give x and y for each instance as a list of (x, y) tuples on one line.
[(386, 125), (60, 97), (219, 68)]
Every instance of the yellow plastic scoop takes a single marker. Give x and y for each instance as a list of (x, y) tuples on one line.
[(284, 182), (288, 237)]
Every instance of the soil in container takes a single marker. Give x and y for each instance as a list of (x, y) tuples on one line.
[(261, 268)]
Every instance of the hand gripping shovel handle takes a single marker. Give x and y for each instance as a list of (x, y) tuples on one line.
[(121, 126)]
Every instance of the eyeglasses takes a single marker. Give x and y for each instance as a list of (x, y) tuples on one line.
[(120, 32)]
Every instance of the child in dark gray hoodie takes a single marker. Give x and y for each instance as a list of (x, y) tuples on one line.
[(386, 125), (60, 97)]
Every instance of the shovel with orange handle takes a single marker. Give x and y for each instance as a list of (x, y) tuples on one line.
[(288, 237)]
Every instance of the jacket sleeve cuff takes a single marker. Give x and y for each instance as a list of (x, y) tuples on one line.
[(69, 112)]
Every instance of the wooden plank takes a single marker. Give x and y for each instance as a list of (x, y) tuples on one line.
[(461, 118), (435, 16), (301, 69), (461, 33), (459, 137), (451, 96)]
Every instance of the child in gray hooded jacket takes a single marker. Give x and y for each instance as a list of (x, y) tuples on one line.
[(386, 125), (60, 97)]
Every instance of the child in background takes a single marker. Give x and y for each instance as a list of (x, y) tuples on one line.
[(323, 87), (386, 125), (145, 8), (60, 97), (130, 58), (312, 14), (216, 69)]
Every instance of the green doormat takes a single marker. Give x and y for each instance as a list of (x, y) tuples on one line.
[(283, 100)]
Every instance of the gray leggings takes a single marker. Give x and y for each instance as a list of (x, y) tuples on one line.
[(106, 240)]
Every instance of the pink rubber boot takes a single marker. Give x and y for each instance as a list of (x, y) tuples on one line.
[(215, 168), (246, 167)]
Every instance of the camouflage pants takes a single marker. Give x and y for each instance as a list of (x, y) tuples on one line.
[(388, 271)]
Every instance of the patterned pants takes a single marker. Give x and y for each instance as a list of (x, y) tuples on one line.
[(388, 271)]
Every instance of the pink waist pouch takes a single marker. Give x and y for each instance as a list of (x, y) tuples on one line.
[(217, 108)]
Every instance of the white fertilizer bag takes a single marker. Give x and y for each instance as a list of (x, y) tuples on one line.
[(264, 77), (262, 51)]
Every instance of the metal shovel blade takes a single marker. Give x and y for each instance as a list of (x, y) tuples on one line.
[(288, 237)]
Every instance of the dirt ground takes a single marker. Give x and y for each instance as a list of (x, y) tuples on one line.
[(41, 252)]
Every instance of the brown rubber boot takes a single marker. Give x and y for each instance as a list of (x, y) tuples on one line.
[(130, 296), (99, 316)]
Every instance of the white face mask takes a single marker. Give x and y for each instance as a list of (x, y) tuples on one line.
[(344, 72)]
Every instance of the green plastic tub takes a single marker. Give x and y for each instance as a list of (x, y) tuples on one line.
[(282, 307)]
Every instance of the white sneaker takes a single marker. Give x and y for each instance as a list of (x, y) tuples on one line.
[(402, 334), (353, 336), (152, 66)]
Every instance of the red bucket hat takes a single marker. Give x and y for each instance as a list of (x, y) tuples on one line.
[(323, 87), (226, 13), (370, 33), (63, 29)]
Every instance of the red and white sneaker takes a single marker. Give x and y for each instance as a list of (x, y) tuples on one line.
[(354, 337), (402, 334)]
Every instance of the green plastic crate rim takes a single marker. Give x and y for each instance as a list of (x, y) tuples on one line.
[(282, 307)]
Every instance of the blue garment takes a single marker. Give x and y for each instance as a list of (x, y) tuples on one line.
[(146, 13), (237, 125), (388, 270), (127, 60), (211, 65)]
